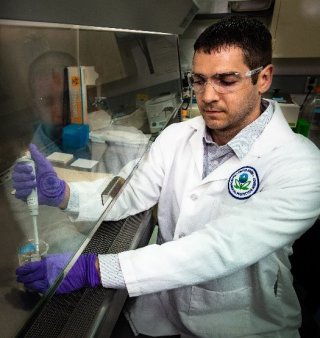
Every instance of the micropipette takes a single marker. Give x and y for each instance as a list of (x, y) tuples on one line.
[(32, 201)]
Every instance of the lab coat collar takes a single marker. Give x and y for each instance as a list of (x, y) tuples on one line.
[(198, 126), (224, 170), (276, 132)]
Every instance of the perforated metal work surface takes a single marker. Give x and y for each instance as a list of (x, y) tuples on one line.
[(72, 315)]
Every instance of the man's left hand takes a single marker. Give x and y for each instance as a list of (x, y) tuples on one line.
[(39, 276)]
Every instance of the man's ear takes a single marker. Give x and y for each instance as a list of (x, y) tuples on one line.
[(265, 79)]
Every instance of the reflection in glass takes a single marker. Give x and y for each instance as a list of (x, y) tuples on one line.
[(124, 86)]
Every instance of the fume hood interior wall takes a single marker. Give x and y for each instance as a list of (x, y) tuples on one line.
[(157, 72)]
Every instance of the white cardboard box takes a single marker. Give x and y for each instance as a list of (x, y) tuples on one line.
[(290, 112)]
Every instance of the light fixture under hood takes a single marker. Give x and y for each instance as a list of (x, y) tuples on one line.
[(250, 5), (225, 7)]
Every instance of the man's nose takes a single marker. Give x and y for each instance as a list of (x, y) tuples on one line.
[(210, 94), (56, 111)]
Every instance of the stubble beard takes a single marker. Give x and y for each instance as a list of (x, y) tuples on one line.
[(233, 123)]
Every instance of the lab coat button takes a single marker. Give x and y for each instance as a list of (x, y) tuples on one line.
[(194, 197)]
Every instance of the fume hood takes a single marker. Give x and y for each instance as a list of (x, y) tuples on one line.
[(149, 15)]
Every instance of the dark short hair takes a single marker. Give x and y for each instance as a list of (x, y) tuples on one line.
[(247, 33)]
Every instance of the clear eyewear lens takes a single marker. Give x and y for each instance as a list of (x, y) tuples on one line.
[(222, 83)]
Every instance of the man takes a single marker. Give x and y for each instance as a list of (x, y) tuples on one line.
[(50, 100), (235, 188)]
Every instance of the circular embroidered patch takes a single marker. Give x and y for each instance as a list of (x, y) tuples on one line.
[(243, 183)]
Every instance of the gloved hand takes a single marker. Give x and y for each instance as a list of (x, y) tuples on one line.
[(39, 276), (50, 188)]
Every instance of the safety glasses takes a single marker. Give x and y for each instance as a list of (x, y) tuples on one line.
[(222, 83)]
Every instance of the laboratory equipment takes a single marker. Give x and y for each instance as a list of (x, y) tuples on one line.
[(159, 111), (291, 112), (32, 201), (29, 252)]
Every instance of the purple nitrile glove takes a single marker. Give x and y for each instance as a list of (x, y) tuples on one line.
[(39, 276), (50, 187)]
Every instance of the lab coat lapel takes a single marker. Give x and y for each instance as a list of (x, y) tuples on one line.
[(224, 171), (276, 133), (197, 143)]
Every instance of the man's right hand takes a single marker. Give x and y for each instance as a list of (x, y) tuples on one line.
[(51, 190)]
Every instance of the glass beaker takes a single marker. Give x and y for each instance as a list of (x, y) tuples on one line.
[(28, 251)]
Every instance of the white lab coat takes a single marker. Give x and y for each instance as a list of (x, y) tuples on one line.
[(223, 268)]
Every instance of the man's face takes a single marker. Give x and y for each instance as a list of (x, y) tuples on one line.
[(226, 114), (48, 102)]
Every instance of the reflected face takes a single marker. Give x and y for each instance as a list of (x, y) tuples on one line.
[(225, 114), (47, 86), (48, 92)]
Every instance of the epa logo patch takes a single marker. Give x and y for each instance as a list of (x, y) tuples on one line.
[(243, 183)]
